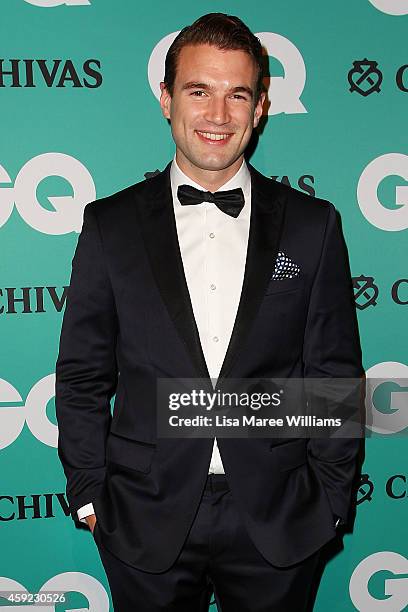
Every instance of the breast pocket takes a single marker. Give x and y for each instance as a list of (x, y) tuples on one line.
[(284, 286), (133, 454)]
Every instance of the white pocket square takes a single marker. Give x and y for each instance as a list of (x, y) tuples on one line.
[(284, 268)]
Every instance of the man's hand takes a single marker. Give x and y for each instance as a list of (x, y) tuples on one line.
[(91, 520)]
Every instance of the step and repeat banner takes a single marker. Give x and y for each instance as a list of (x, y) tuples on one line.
[(80, 119)]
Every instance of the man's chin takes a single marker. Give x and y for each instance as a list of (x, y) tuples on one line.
[(214, 164)]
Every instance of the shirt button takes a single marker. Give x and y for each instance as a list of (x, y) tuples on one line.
[(215, 339), (212, 235), (213, 287)]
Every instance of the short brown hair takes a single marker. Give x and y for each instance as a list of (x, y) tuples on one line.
[(221, 31)]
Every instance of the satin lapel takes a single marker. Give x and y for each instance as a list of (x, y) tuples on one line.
[(160, 235), (267, 212)]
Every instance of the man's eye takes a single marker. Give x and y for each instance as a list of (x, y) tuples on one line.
[(199, 93), (238, 97)]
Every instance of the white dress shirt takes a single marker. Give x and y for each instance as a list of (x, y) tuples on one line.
[(213, 248)]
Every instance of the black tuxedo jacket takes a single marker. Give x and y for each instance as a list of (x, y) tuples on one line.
[(129, 321)]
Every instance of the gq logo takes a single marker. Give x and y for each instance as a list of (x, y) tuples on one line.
[(391, 7), (50, 3), (391, 220), (286, 90), (68, 210), (34, 412), (387, 397), (61, 583), (396, 588)]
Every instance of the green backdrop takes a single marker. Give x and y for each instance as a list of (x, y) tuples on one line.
[(80, 120)]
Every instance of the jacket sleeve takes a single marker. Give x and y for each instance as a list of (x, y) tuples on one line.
[(332, 350), (86, 368)]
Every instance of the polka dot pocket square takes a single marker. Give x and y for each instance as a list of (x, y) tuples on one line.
[(284, 268)]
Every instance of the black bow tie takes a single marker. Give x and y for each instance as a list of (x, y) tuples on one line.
[(230, 202)]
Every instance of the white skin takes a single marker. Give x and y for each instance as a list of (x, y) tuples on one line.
[(213, 94)]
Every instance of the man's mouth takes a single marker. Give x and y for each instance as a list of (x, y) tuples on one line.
[(214, 136)]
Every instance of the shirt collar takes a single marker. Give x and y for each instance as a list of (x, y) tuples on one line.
[(242, 178)]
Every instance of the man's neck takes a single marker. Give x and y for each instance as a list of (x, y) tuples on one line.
[(210, 180)]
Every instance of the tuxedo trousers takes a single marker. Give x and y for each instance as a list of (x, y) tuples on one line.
[(218, 560)]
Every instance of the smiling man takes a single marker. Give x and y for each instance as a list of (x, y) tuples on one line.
[(213, 103), (209, 271)]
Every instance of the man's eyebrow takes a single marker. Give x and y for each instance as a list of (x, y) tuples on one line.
[(239, 88), (244, 89), (195, 85)]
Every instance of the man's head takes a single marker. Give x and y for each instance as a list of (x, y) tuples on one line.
[(212, 94), (218, 30)]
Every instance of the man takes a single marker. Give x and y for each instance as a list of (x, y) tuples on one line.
[(170, 282)]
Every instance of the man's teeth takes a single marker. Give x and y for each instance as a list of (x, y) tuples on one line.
[(211, 136)]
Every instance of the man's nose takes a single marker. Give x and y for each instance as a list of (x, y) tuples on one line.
[(217, 111)]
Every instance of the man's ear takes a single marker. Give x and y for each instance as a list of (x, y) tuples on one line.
[(258, 108), (165, 100)]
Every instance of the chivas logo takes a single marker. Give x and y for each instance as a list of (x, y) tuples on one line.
[(29, 300), (152, 174), (365, 291), (365, 489), (52, 73), (365, 77), (304, 182), (32, 506), (395, 488)]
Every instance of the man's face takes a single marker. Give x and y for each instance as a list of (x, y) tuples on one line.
[(212, 110)]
